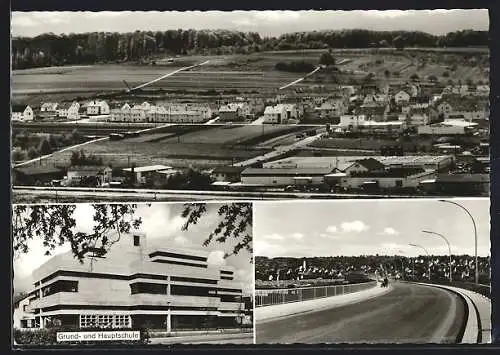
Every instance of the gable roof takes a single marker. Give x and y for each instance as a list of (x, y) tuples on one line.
[(371, 164)]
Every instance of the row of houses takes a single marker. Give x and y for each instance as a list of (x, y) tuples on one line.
[(175, 113), (66, 110)]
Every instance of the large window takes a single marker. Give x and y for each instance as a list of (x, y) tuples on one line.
[(150, 288), (105, 321), (230, 298), (60, 286), (191, 291)]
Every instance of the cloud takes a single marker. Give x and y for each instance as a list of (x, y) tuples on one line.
[(390, 231), (332, 229), (297, 235), (216, 258), (264, 248), (274, 236), (22, 21), (277, 16), (355, 226)]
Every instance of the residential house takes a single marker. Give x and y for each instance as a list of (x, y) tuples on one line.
[(49, 107), (275, 114), (97, 107), (69, 110), (402, 97), (227, 173), (24, 116), (231, 112), (142, 173), (419, 102), (351, 122)]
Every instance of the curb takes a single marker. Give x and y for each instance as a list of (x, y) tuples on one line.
[(472, 332)]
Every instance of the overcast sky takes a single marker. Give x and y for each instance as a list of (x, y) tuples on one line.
[(267, 23), (368, 227), (162, 223)]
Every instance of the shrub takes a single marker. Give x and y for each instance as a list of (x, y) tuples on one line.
[(48, 336), (295, 67)]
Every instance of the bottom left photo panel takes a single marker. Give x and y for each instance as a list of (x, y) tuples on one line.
[(158, 273)]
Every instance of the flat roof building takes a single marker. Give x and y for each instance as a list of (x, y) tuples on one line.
[(133, 285)]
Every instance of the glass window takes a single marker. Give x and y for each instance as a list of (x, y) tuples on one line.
[(137, 240)]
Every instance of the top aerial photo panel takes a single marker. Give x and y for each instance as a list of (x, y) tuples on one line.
[(244, 105)]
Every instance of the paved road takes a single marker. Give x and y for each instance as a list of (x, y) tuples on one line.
[(407, 314), (246, 338), (280, 150)]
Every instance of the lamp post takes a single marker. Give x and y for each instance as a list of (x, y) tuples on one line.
[(475, 236), (449, 248), (428, 262)]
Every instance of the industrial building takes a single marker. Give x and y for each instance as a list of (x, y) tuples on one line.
[(133, 285), (427, 162), (284, 177)]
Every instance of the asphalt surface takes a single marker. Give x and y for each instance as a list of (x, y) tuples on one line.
[(246, 338), (407, 314)]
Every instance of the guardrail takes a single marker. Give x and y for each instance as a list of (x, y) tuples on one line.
[(270, 297)]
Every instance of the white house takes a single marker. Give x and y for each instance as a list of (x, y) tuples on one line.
[(402, 97), (49, 107), (26, 115), (69, 110), (351, 121), (275, 114), (418, 118), (22, 316), (98, 107)]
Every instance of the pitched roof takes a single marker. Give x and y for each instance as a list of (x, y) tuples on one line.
[(371, 164), (463, 178), (228, 169)]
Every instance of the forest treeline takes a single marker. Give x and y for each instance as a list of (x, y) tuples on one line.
[(99, 47)]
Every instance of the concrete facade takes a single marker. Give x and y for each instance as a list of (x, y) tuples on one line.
[(134, 285)]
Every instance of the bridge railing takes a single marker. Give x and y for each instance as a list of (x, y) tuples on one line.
[(271, 297)]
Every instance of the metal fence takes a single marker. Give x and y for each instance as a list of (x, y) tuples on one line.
[(271, 297)]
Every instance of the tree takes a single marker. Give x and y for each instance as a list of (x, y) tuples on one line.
[(446, 74), (414, 77), (327, 59), (398, 43), (387, 73), (55, 225), (45, 148), (432, 78), (236, 224), (32, 153), (18, 154)]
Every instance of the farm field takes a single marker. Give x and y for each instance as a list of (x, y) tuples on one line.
[(252, 73), (201, 147)]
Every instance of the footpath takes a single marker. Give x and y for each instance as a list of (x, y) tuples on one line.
[(270, 313)]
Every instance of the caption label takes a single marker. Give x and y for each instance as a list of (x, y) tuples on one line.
[(98, 336)]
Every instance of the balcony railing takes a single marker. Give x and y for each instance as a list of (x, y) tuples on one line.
[(271, 297)]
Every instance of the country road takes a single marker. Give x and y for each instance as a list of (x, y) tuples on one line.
[(407, 314)]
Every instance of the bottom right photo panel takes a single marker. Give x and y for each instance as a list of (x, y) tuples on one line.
[(372, 271)]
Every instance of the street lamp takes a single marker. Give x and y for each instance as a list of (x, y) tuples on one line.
[(475, 236), (449, 248), (428, 262)]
